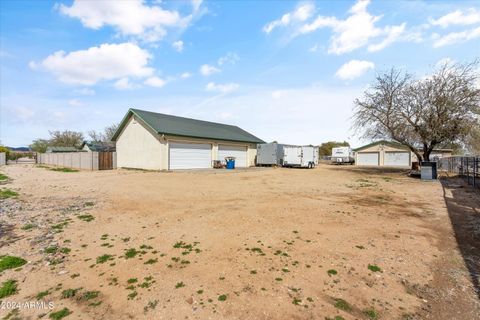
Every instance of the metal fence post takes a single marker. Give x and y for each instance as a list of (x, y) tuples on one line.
[(475, 171)]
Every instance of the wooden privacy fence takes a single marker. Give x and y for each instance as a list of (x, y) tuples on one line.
[(105, 160), (466, 167), (80, 160)]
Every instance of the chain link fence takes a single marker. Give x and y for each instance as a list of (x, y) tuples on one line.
[(466, 167)]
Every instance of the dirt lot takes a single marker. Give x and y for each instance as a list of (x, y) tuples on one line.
[(330, 243)]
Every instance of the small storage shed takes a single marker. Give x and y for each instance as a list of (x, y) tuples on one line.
[(383, 153), (391, 154), (155, 141)]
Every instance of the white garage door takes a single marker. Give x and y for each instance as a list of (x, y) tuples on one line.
[(190, 156), (240, 154), (367, 159), (397, 159)]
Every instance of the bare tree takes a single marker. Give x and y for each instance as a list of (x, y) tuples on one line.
[(110, 131), (39, 145), (105, 136), (65, 138), (421, 114), (473, 141), (96, 136)]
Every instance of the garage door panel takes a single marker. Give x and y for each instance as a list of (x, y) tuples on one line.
[(368, 159), (239, 152), (190, 156), (397, 159)]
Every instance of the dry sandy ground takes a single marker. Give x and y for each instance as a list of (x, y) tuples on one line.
[(257, 244)]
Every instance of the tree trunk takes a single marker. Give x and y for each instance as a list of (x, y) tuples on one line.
[(426, 152)]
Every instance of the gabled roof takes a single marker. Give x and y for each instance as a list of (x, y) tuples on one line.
[(186, 127), (393, 144), (99, 146)]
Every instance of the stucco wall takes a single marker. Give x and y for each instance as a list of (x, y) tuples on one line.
[(251, 148), (138, 148), (77, 160), (381, 149)]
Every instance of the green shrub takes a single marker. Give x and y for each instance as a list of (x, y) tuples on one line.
[(7, 193), (5, 150), (342, 305), (11, 262), (8, 288), (60, 314), (374, 268)]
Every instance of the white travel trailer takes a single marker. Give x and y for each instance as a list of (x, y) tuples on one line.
[(300, 156), (342, 155)]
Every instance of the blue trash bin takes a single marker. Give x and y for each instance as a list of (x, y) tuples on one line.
[(230, 163)]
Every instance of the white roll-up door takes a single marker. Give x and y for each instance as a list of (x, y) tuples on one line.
[(367, 158), (239, 152), (400, 158), (190, 155)]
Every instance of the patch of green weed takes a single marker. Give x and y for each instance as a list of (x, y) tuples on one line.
[(342, 305), (332, 272), (60, 314), (7, 193), (374, 268), (11, 262), (8, 288)]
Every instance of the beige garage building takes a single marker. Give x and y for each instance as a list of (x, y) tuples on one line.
[(155, 141), (391, 154)]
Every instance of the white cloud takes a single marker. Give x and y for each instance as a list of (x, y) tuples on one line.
[(84, 92), (155, 82), (225, 115), (229, 58), (23, 113), (185, 75), (278, 94), (106, 62), (458, 17), (444, 61), (222, 88), (207, 70), (296, 118), (178, 45), (393, 33), (356, 31), (302, 13), (455, 37), (354, 69), (123, 84), (314, 48), (129, 18), (75, 103)]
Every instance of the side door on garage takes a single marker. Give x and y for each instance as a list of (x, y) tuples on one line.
[(239, 152), (397, 158), (368, 158), (189, 155)]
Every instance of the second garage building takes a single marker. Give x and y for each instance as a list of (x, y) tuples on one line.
[(391, 154), (155, 141)]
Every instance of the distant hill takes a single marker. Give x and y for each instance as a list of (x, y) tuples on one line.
[(19, 148)]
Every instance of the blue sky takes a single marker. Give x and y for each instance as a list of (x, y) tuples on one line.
[(283, 70)]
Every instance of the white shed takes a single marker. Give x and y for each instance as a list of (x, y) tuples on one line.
[(391, 154)]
